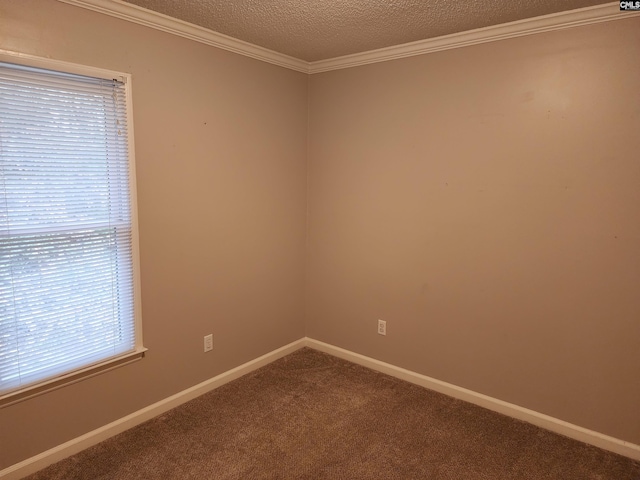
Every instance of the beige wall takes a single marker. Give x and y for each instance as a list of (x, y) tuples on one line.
[(221, 170), (485, 202)]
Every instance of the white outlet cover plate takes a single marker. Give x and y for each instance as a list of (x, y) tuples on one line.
[(208, 343)]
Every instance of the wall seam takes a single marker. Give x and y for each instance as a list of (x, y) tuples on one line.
[(306, 227)]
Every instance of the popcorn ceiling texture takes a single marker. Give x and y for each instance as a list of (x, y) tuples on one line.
[(314, 30)]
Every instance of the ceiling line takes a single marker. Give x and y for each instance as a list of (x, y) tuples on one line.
[(165, 23), (530, 26), (546, 23)]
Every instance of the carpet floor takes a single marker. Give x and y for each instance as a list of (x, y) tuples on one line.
[(313, 416)]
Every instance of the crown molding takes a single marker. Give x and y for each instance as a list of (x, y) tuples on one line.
[(164, 23), (520, 28), (546, 23)]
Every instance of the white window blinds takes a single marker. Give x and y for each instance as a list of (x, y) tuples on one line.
[(66, 265)]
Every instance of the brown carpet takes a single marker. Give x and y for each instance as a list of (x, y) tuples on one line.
[(313, 416)]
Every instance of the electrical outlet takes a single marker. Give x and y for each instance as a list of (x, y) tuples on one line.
[(208, 342), (382, 327)]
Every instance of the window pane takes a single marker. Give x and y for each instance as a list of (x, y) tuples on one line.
[(66, 268), (65, 310)]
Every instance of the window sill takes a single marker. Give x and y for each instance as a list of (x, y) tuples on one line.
[(70, 378)]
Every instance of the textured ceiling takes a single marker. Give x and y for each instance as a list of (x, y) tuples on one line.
[(319, 29)]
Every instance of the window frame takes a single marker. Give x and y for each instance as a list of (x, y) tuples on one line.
[(91, 370)]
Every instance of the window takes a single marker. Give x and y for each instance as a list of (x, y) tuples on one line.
[(68, 235)]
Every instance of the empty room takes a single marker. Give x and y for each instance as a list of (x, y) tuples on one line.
[(341, 239)]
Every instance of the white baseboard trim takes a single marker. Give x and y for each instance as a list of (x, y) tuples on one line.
[(547, 422), (44, 459)]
